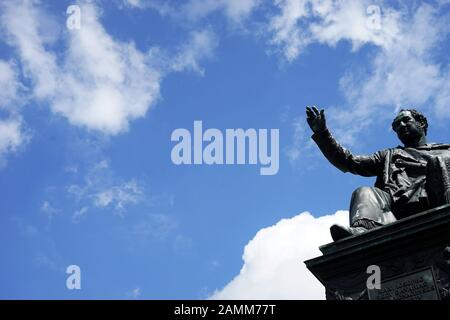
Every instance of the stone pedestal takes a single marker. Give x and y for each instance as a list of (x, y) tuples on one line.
[(413, 256)]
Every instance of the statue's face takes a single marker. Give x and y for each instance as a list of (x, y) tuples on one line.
[(408, 129)]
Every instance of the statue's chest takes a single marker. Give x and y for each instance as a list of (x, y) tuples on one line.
[(413, 162)]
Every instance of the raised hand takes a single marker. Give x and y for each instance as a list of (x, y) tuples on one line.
[(316, 119)]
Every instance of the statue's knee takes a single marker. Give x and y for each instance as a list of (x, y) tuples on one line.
[(362, 192)]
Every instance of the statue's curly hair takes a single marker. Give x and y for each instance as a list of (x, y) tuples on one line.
[(418, 116)]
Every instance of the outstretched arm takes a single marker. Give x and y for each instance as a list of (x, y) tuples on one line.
[(340, 157)]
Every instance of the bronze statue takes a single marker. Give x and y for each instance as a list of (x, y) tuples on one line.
[(410, 178)]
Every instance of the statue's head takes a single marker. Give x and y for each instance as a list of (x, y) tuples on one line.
[(410, 126)]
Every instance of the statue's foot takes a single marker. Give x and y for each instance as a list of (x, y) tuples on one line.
[(340, 232)]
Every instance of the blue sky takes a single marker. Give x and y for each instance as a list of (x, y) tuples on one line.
[(86, 117)]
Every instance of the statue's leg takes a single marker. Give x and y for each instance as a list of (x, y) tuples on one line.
[(370, 207)]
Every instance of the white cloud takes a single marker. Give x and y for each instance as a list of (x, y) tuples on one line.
[(107, 83), (38, 64), (11, 137), (10, 86), (12, 133), (273, 260), (284, 26), (98, 82), (355, 21), (404, 74), (402, 69), (302, 22), (134, 3), (102, 84), (238, 10)]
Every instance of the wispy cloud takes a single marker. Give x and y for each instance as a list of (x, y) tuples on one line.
[(48, 209), (200, 46), (236, 11), (134, 293), (157, 226), (101, 188), (119, 196), (25, 229), (296, 147), (79, 214), (43, 260), (145, 228)]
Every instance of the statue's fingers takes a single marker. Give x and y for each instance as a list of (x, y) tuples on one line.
[(322, 113), (316, 111)]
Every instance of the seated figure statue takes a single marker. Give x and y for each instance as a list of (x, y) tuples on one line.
[(410, 178)]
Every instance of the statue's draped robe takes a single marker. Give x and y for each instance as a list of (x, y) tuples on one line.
[(415, 178)]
